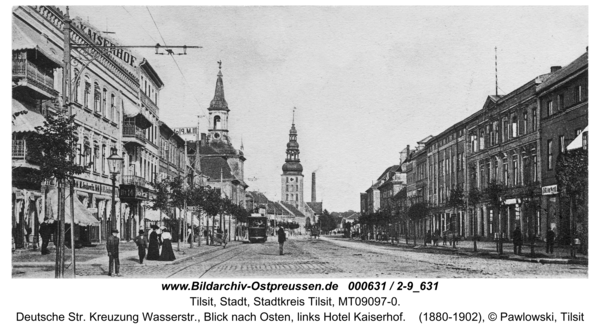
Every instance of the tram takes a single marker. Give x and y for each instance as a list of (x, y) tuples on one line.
[(258, 226)]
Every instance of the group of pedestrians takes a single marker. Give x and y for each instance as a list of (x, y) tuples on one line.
[(158, 244)]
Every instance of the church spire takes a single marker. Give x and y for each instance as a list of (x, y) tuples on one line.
[(218, 102)]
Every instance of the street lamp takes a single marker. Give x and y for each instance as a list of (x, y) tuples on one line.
[(114, 167)]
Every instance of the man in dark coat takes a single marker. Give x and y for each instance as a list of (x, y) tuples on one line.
[(142, 243), (517, 240), (45, 233), (281, 239), (550, 236), (112, 247)]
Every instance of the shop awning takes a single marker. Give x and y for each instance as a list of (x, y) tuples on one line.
[(154, 215), (26, 120), (82, 216), (578, 142)]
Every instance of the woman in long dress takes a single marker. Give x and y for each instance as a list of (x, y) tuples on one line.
[(167, 250), (153, 253)]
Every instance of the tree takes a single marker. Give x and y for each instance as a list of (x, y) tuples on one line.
[(52, 149), (417, 212), (327, 221), (473, 199), (572, 177), (456, 201), (494, 196)]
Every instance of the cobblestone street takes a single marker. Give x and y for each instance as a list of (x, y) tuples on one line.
[(326, 257)]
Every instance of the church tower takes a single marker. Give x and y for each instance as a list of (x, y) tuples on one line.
[(292, 179), (218, 113)]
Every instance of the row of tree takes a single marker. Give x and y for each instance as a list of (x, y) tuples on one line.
[(173, 194)]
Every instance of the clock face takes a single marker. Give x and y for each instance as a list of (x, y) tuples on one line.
[(216, 135), (292, 179)]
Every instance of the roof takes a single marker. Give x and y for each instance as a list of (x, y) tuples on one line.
[(392, 168), (292, 209), (218, 102), (257, 197), (275, 208), (211, 167), (215, 147), (145, 65), (26, 120), (317, 207), (579, 63), (25, 37)]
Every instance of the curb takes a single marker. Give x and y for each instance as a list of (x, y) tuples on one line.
[(88, 264), (485, 254)]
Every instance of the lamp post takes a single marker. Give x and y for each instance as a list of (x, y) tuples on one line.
[(114, 166)]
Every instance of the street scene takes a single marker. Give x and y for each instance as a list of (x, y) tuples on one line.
[(352, 142)]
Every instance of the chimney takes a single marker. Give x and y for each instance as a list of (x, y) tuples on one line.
[(313, 196), (555, 68)]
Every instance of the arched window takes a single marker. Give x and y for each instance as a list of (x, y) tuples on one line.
[(97, 97), (217, 122), (76, 96), (514, 126), (104, 92), (86, 94)]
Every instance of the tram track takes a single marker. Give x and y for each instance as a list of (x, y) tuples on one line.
[(230, 250)]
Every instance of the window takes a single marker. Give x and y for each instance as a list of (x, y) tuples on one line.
[(534, 119), (76, 96), (561, 144), (495, 168), (96, 97), (535, 165), (104, 102), (514, 126), (515, 170), (584, 140), (96, 159), (488, 169), (473, 142), (496, 134), (578, 93), (481, 139), (550, 108), (524, 128), (504, 129), (86, 94), (550, 155), (103, 159), (505, 169), (578, 131), (112, 107), (297, 188), (561, 102), (217, 122)]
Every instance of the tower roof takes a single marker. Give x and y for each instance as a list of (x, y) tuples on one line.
[(292, 161), (218, 102)]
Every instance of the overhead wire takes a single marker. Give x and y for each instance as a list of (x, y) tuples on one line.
[(175, 61)]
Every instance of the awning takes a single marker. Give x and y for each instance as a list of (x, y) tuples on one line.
[(82, 216), (578, 142), (154, 215), (26, 120), (132, 110), (26, 38)]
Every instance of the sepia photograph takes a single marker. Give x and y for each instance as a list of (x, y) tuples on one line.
[(319, 142)]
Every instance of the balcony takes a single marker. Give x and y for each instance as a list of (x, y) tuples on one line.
[(133, 134), (148, 103), (134, 180), (38, 80)]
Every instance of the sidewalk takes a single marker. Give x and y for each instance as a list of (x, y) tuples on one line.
[(96, 255), (486, 249)]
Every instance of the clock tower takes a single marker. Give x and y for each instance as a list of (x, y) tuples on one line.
[(292, 179), (218, 113)]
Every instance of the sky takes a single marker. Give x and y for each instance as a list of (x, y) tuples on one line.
[(366, 81)]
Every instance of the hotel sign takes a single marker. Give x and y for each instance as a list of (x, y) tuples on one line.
[(187, 133), (550, 190)]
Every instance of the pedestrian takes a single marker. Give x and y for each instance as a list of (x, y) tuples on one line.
[(436, 237), (444, 237), (166, 254), (281, 239), (45, 233), (190, 237), (112, 247), (27, 232), (517, 240), (153, 252), (142, 243), (205, 233), (428, 237), (550, 236)]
